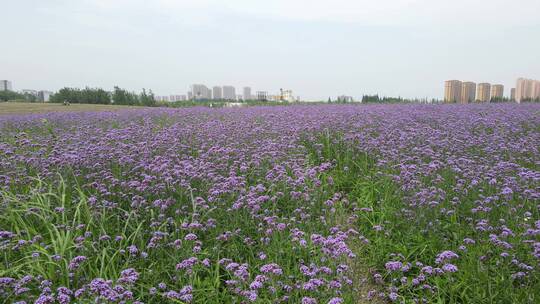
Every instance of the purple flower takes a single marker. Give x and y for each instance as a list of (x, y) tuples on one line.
[(446, 255), (335, 301), (449, 268), (128, 276), (190, 237), (76, 262), (393, 266), (308, 300)]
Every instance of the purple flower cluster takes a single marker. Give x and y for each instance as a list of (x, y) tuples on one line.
[(159, 205)]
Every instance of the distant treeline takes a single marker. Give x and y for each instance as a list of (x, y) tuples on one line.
[(99, 96), (11, 95), (377, 99)]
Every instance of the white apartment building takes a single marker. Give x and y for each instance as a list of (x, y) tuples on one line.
[(229, 93), (217, 93), (200, 91), (5, 85), (247, 93)]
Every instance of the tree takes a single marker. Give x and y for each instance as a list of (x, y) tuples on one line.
[(10, 95), (87, 95), (123, 97), (147, 99), (71, 95)]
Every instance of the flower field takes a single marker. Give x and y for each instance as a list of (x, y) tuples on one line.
[(294, 204)]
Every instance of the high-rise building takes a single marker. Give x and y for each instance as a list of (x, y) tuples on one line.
[(497, 91), (247, 93), (536, 92), (217, 93), (468, 92), (200, 92), (513, 94), (5, 85), (527, 89), (44, 96), (261, 95), (483, 92), (452, 91), (229, 93)]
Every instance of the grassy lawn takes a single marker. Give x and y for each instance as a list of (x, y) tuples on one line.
[(7, 108)]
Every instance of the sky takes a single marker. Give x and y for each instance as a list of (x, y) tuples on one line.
[(319, 49)]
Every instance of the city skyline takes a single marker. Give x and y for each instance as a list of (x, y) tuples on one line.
[(457, 91), (462, 92), (306, 45)]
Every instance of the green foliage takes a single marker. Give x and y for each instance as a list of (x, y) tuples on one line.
[(10, 95), (100, 96), (377, 99), (422, 237), (147, 99), (123, 97), (86, 95)]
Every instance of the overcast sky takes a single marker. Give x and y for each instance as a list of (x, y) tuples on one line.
[(316, 48)]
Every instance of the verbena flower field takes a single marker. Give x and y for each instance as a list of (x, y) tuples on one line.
[(293, 204)]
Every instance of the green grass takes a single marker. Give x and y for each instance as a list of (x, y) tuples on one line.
[(10, 108), (417, 234), (421, 233)]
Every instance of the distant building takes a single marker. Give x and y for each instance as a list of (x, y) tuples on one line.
[(189, 95), (261, 95), (44, 96), (344, 98), (527, 89), (287, 95), (247, 93), (5, 85), (239, 97), (452, 91), (229, 93), (200, 92), (30, 92), (217, 93), (275, 98), (483, 92), (497, 91), (468, 92), (513, 94), (173, 98)]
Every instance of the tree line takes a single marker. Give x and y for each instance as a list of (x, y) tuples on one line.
[(99, 96), (377, 99), (10, 95)]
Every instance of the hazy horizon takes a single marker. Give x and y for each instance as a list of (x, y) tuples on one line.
[(318, 49)]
